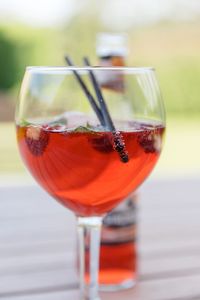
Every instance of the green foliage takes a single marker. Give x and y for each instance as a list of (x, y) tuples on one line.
[(172, 49), (9, 65), (23, 46), (179, 81), (80, 38)]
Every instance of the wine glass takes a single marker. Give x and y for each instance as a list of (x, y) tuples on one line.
[(90, 136)]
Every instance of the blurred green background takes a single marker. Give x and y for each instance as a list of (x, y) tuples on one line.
[(169, 42)]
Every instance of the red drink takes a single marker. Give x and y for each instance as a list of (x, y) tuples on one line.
[(117, 263), (81, 168)]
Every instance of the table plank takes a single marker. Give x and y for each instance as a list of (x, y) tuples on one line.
[(38, 281), (186, 288), (46, 295), (37, 242)]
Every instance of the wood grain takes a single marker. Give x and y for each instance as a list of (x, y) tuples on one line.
[(38, 244)]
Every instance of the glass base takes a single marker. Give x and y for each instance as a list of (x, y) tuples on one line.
[(126, 284)]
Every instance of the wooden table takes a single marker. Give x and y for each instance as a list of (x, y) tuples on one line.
[(37, 244)]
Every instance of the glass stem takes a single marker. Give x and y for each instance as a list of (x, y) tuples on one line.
[(89, 233)]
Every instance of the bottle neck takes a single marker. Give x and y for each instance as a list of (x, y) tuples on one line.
[(112, 60)]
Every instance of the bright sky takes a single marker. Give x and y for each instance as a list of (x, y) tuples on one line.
[(37, 12), (122, 13)]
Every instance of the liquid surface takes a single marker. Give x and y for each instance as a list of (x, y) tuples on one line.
[(83, 170)]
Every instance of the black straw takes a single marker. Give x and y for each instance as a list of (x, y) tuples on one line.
[(102, 112), (104, 109), (87, 92), (118, 140)]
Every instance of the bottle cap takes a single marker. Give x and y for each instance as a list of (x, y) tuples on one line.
[(111, 44)]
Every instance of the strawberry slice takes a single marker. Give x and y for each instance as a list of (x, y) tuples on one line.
[(102, 143), (147, 141), (37, 140)]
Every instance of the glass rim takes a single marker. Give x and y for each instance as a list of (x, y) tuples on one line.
[(65, 69)]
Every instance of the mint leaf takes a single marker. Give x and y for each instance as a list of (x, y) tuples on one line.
[(58, 122), (23, 122), (88, 128), (82, 129)]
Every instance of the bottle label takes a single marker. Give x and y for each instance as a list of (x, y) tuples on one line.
[(124, 215), (117, 235), (119, 226)]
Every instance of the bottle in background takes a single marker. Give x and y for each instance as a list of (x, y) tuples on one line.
[(112, 50), (118, 255)]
